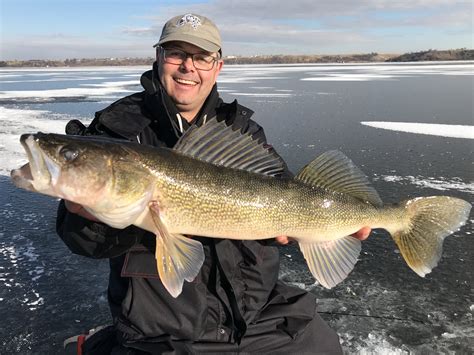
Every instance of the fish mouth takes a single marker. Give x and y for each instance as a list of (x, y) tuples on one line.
[(41, 173), (22, 178)]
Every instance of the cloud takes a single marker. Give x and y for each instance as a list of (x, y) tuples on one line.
[(304, 9), (140, 31), (62, 46), (277, 27), (308, 26), (283, 35)]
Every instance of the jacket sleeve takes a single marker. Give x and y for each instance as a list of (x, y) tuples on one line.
[(88, 238)]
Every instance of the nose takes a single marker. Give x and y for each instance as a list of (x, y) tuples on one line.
[(188, 64)]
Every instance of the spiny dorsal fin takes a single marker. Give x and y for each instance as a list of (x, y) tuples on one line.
[(219, 144), (336, 172)]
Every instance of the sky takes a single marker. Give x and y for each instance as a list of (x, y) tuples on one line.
[(61, 29)]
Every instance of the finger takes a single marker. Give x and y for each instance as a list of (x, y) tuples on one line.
[(79, 210), (363, 233), (282, 239), (154, 206), (72, 206)]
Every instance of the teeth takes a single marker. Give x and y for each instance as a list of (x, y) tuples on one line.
[(184, 81)]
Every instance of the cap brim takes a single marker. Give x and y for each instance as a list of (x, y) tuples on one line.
[(198, 42)]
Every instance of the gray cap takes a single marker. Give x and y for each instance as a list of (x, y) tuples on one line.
[(194, 29)]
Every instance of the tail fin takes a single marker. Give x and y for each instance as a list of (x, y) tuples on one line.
[(431, 219)]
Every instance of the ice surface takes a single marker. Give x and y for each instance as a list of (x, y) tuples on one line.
[(68, 70), (349, 77), (55, 79), (261, 94), (382, 308), (114, 84), (437, 183), (341, 72), (106, 89), (14, 123), (18, 252), (62, 83), (443, 130)]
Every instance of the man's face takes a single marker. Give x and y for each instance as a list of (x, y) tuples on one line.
[(187, 86)]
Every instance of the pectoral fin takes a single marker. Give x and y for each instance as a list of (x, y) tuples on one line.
[(178, 258), (121, 217), (331, 262)]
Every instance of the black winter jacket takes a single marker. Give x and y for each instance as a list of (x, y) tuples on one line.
[(238, 284)]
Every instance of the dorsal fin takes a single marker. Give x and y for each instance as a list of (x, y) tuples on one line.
[(219, 144), (336, 172)]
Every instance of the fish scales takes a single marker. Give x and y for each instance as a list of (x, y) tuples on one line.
[(215, 201), (218, 182)]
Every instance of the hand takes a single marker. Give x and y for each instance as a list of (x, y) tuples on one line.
[(283, 239), (79, 210), (361, 234)]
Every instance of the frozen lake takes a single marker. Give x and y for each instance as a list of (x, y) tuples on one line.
[(409, 127)]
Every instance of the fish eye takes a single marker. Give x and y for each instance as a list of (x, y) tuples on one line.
[(69, 154)]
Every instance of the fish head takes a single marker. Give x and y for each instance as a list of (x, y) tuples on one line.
[(92, 171)]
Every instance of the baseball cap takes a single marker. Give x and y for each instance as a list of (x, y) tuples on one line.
[(194, 29)]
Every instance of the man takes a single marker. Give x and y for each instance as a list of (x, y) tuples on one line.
[(236, 303)]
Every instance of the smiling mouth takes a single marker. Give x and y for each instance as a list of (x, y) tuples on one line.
[(185, 82)]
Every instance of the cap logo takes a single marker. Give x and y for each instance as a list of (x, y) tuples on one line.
[(194, 21)]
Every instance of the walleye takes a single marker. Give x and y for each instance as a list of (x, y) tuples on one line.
[(217, 182)]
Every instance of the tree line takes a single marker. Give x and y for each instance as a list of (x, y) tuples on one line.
[(429, 55)]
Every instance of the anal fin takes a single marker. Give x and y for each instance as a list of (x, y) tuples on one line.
[(330, 262)]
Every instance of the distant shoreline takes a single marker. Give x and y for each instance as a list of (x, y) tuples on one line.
[(429, 55)]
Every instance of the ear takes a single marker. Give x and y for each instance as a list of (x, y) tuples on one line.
[(220, 64)]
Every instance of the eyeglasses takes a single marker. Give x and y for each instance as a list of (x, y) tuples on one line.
[(201, 61)]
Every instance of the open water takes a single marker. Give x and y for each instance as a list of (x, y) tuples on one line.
[(408, 126)]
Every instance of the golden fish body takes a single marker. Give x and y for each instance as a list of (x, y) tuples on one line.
[(197, 199), (219, 183)]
